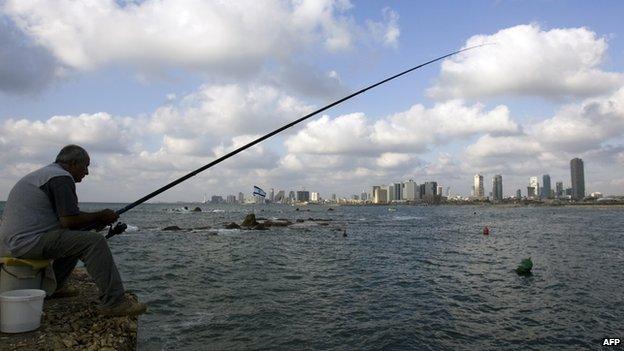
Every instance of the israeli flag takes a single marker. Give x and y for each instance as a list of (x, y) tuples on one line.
[(258, 191)]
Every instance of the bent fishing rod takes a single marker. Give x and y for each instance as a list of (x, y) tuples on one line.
[(262, 138)]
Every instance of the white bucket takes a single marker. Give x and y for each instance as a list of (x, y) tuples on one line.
[(21, 310)]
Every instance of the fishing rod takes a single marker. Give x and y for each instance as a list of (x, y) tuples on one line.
[(262, 138)]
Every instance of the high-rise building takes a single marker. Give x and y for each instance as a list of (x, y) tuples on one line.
[(560, 192), (272, 195), (410, 190), (533, 183), (241, 198), (439, 190), (531, 193), (279, 197), (363, 196), (545, 186), (390, 189), (398, 191), (430, 190), (479, 192), (291, 196), (578, 178), (303, 196), (231, 199), (314, 196), (518, 194), (380, 195), (497, 188)]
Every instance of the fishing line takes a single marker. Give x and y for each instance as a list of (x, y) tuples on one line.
[(260, 139)]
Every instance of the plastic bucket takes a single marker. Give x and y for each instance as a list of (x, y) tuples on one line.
[(19, 277), (21, 310)]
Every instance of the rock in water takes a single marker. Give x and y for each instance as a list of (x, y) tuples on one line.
[(525, 267), (232, 226), (197, 209), (249, 221), (173, 227)]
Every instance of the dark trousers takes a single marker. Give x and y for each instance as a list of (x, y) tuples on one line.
[(66, 247)]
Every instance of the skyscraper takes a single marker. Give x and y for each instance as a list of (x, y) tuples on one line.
[(398, 191), (545, 186), (578, 178), (560, 191), (478, 186), (412, 191), (497, 188), (534, 183)]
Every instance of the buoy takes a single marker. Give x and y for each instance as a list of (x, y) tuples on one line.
[(525, 267), (486, 230)]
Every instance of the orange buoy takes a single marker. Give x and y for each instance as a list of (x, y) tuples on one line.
[(486, 230)]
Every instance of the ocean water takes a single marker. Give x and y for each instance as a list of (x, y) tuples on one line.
[(418, 278)]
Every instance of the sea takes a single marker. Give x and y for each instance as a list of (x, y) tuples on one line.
[(374, 277)]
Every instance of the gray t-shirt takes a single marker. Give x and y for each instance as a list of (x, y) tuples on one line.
[(62, 194), (33, 207)]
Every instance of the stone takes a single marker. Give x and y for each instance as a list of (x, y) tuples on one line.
[(173, 227), (232, 225), (197, 209), (249, 221)]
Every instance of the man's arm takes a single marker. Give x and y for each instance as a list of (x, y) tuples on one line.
[(89, 219)]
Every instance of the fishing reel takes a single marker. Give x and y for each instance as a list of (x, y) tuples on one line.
[(118, 228)]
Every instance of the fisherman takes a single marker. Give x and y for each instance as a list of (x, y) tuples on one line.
[(41, 220)]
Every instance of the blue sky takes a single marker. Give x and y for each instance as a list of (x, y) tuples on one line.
[(155, 89)]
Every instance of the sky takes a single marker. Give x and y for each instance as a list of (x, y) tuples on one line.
[(156, 89)]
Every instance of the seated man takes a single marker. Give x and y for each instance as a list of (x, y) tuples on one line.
[(41, 220)]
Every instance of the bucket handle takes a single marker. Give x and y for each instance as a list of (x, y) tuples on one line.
[(15, 276)]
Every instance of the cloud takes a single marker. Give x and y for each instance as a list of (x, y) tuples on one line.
[(527, 61), (216, 111), (232, 37), (585, 126), (98, 132), (411, 131), (25, 67)]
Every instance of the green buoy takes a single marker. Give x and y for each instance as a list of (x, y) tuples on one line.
[(525, 267)]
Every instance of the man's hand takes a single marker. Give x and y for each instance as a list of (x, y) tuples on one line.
[(89, 220), (108, 216)]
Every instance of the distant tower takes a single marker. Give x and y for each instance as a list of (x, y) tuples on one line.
[(478, 186), (560, 192), (545, 186), (578, 178), (497, 188), (534, 183)]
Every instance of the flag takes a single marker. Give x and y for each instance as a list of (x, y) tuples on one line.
[(258, 191)]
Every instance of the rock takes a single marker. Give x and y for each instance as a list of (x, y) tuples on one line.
[(277, 223), (232, 225), (330, 209), (260, 226), (197, 209), (249, 221), (299, 220), (173, 227)]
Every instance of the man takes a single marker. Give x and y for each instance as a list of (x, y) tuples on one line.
[(41, 220)]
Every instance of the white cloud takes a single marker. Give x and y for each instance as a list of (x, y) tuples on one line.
[(227, 110), (525, 60), (232, 36), (412, 131), (99, 132), (393, 160), (585, 126)]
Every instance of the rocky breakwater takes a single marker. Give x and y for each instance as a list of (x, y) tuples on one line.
[(72, 323)]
